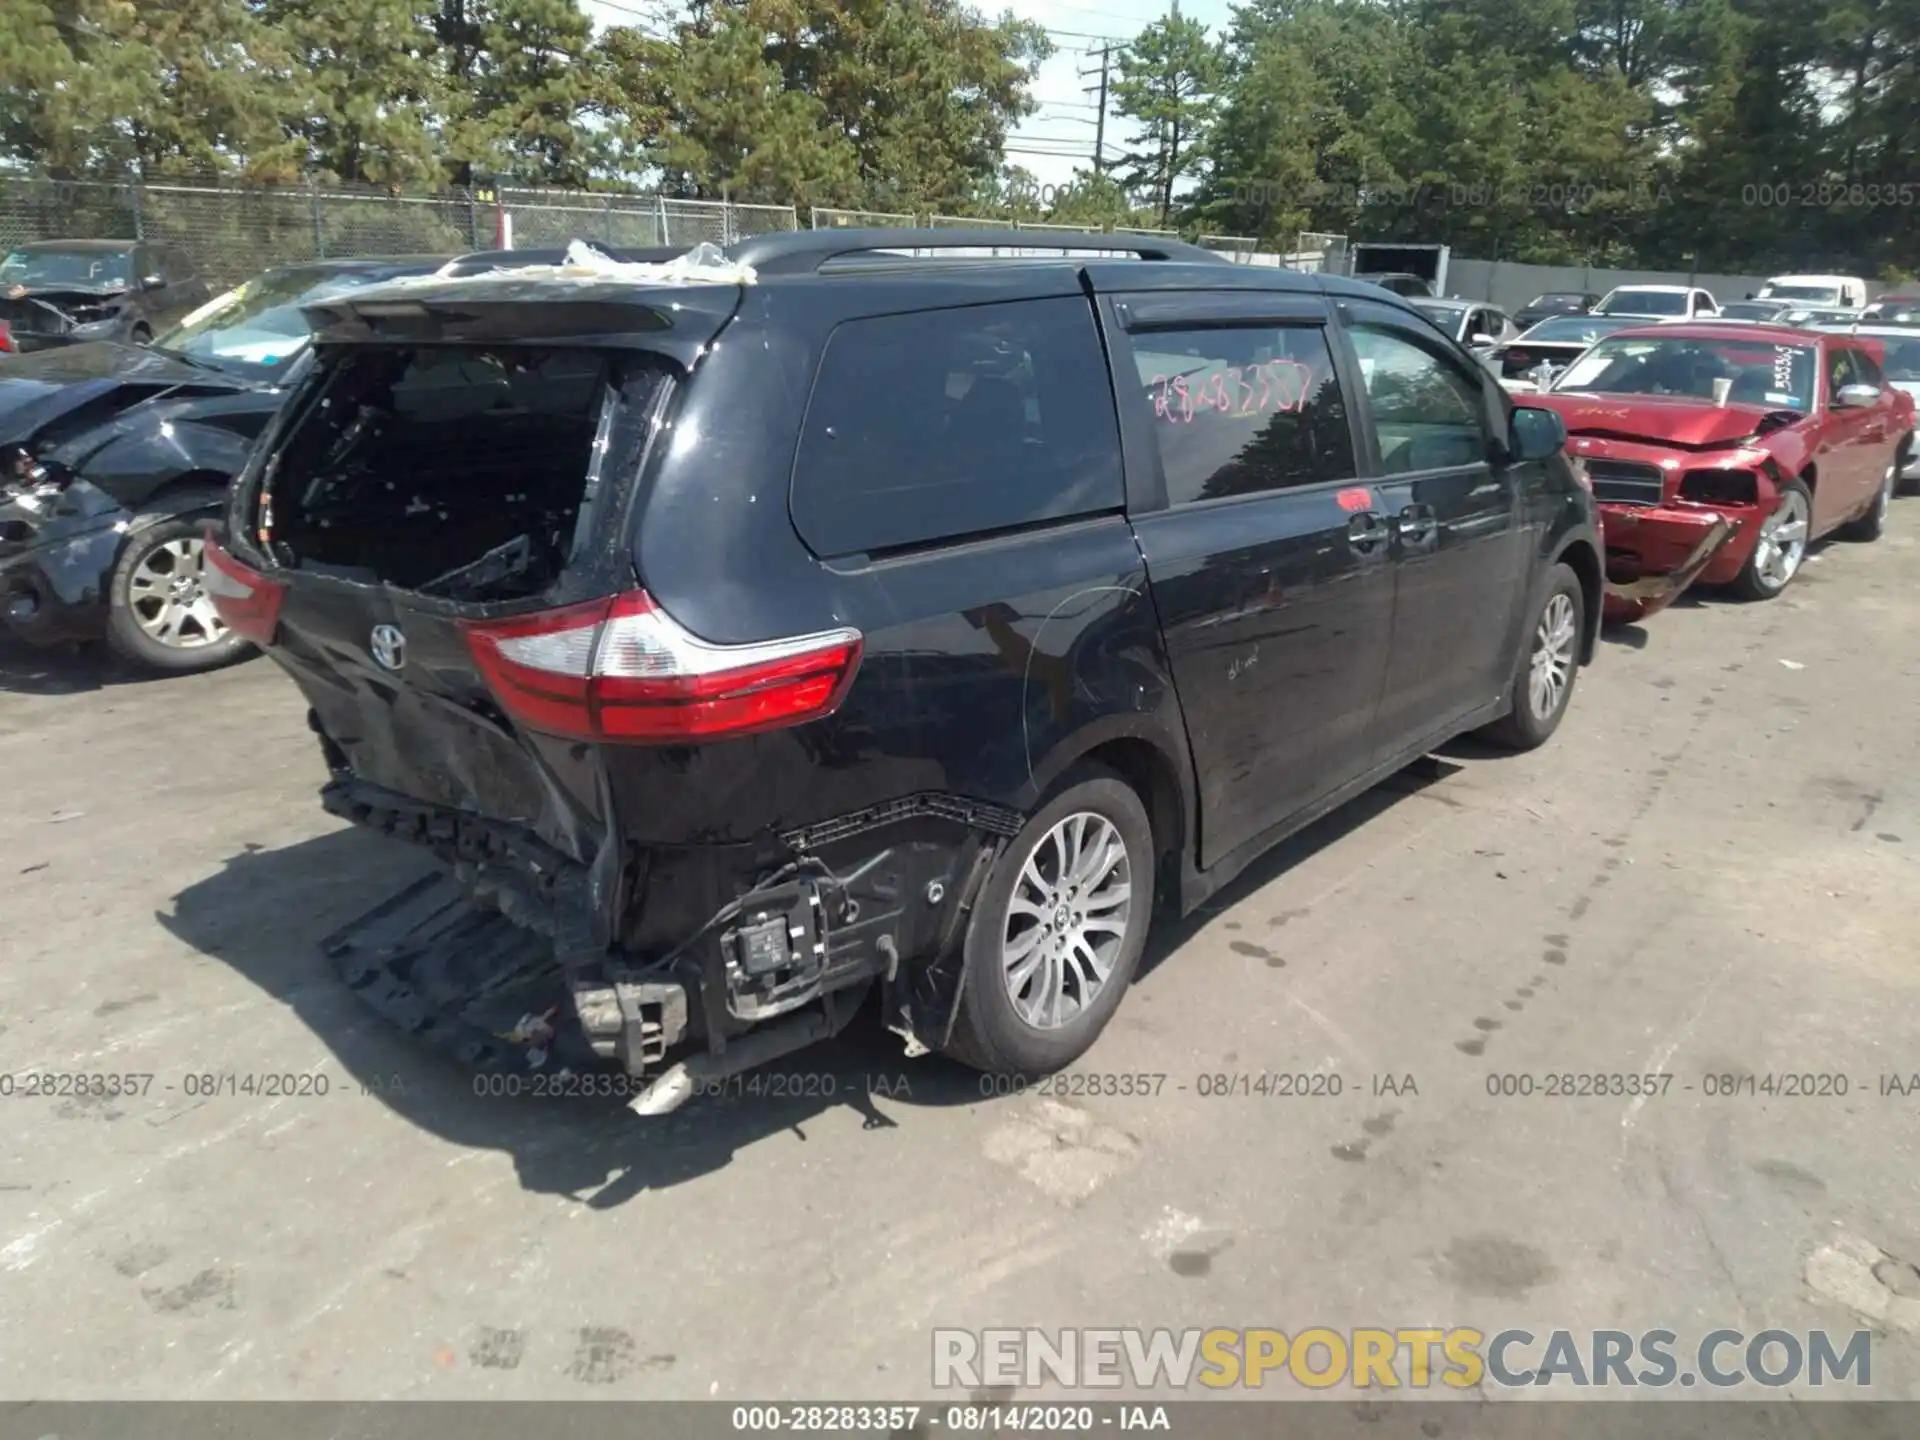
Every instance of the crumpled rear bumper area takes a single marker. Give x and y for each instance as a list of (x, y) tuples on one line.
[(743, 956)]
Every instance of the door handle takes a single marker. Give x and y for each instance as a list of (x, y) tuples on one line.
[(1366, 532), (1418, 524)]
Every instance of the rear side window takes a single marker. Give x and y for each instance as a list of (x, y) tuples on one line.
[(1242, 411), (949, 423)]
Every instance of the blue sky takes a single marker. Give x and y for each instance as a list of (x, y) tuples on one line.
[(1060, 136)]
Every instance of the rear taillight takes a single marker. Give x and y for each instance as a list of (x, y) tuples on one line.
[(247, 600), (622, 669), (6, 336)]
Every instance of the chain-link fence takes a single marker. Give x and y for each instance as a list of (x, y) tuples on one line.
[(1238, 248), (825, 217), (231, 232), (1326, 254)]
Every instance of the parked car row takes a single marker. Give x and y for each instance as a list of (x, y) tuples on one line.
[(845, 615)]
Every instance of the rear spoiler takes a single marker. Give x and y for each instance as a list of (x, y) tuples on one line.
[(584, 295)]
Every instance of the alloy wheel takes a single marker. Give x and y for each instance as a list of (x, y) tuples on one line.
[(167, 594), (1066, 920), (1783, 541), (1551, 666)]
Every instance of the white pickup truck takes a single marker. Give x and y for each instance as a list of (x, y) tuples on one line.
[(1842, 292)]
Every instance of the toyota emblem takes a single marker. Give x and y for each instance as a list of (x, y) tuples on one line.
[(389, 647)]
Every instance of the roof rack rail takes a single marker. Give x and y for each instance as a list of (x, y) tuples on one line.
[(805, 252)]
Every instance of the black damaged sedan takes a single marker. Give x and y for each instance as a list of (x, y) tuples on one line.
[(114, 457)]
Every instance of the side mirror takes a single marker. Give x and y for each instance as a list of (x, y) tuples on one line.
[(153, 282), (1535, 433), (1482, 338), (1856, 397)]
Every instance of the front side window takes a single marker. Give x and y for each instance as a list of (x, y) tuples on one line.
[(1426, 414), (949, 423), (1243, 410), (1843, 369)]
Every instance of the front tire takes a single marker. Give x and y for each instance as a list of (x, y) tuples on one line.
[(1782, 547), (1548, 665), (159, 614), (1058, 930)]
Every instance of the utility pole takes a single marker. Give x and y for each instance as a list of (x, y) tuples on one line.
[(1106, 53)]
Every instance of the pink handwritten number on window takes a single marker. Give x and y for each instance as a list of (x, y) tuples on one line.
[(1284, 387)]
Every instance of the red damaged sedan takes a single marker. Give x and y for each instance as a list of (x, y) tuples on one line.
[(1719, 452)]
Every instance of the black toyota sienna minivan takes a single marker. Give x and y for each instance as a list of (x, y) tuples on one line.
[(876, 610)]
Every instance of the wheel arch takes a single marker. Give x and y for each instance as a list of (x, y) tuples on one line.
[(1159, 774), (1579, 556)]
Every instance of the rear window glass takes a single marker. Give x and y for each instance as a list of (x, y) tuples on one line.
[(1241, 411), (948, 423)]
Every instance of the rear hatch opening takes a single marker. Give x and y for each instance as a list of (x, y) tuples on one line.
[(468, 473)]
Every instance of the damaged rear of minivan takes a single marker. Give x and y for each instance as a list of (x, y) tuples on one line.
[(437, 542)]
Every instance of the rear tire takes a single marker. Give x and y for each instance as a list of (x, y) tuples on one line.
[(1873, 524), (1053, 944), (1547, 667), (1776, 560), (141, 335), (158, 616)]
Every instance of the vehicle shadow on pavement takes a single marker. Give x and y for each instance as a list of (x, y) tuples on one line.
[(71, 669), (1419, 779), (60, 670), (265, 914)]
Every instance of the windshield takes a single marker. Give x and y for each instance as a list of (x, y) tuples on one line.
[(258, 326), (1813, 294), (1585, 328), (1556, 302), (1447, 317), (1757, 373), (1643, 302), (93, 269)]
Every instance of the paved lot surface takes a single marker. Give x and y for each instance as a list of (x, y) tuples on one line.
[(1712, 871)]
